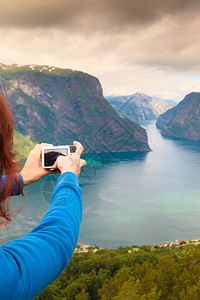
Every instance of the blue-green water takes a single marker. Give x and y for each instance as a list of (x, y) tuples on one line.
[(129, 198)]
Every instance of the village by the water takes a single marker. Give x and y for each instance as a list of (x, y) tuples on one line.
[(83, 248)]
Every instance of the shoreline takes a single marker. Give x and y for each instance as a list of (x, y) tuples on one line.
[(85, 248)]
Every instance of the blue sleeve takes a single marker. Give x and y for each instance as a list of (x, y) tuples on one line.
[(30, 263), (15, 190)]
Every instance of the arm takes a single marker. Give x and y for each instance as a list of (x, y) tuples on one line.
[(29, 264), (15, 190)]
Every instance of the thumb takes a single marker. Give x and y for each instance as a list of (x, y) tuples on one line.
[(82, 162), (55, 166)]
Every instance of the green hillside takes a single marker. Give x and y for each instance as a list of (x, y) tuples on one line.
[(126, 274), (22, 145)]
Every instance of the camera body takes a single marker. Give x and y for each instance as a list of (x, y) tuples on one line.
[(50, 154)]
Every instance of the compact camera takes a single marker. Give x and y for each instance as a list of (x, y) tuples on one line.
[(50, 154)]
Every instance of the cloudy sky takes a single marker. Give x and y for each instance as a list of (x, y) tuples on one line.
[(149, 46)]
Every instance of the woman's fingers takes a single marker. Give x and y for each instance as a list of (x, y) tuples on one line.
[(73, 160), (82, 162), (79, 147), (38, 148)]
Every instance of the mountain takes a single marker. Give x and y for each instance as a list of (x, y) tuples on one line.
[(182, 121), (22, 145), (61, 105), (139, 107)]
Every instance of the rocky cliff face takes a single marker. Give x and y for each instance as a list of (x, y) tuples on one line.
[(182, 121), (59, 105), (139, 107)]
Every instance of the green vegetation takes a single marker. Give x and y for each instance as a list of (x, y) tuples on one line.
[(22, 145), (147, 274)]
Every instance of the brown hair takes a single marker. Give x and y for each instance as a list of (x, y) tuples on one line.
[(7, 164)]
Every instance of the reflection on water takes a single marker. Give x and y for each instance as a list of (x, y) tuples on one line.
[(102, 161), (130, 198)]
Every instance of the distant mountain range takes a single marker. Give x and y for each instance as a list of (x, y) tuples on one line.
[(183, 120), (60, 105), (139, 107)]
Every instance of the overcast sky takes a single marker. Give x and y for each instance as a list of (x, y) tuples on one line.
[(149, 46)]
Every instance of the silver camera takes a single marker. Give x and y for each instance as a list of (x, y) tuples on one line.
[(50, 154)]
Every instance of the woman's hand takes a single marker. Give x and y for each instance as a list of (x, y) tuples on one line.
[(32, 170), (71, 163)]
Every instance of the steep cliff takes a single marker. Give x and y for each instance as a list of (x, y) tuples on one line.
[(60, 105), (139, 107), (182, 121)]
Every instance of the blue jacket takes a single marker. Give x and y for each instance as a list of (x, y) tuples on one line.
[(30, 263)]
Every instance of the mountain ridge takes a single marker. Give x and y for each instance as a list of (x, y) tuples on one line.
[(58, 106), (183, 120), (139, 106)]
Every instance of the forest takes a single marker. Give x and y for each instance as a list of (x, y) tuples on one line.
[(130, 273)]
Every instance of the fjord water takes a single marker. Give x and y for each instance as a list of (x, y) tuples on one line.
[(129, 198)]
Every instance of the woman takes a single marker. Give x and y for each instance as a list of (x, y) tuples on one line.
[(30, 263)]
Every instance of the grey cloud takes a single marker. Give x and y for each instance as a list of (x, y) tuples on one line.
[(125, 43), (90, 14)]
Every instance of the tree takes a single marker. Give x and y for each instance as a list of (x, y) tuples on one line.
[(166, 275), (82, 295), (111, 287)]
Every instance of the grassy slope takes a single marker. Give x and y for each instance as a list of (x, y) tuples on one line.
[(22, 145)]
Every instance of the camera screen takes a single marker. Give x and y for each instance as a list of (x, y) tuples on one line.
[(50, 156), (72, 149)]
